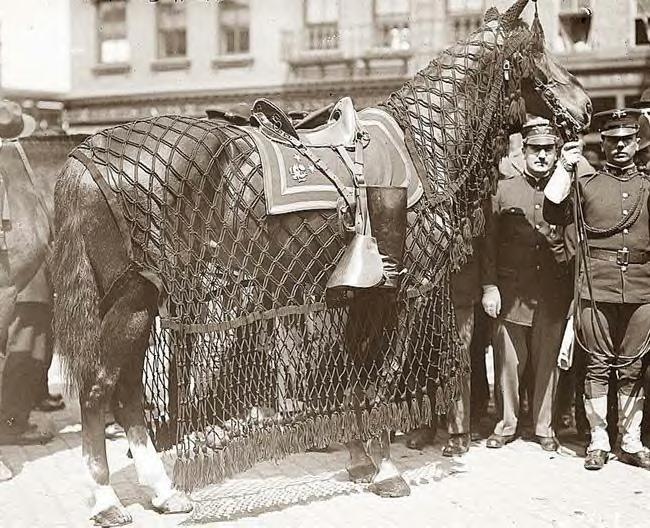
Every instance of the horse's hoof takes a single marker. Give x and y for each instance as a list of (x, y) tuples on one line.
[(178, 502), (112, 516), (362, 473), (391, 487)]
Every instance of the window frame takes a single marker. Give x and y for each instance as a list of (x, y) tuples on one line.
[(158, 33), (221, 42), (310, 27), (99, 60), (399, 21)]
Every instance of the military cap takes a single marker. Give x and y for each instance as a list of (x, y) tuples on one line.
[(617, 123), (644, 101), (13, 122), (539, 131)]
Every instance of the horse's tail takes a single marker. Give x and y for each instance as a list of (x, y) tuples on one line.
[(76, 303)]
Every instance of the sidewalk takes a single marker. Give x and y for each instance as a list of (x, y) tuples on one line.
[(517, 486)]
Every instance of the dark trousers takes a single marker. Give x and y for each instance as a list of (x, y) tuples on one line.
[(622, 330), (28, 355), (480, 389)]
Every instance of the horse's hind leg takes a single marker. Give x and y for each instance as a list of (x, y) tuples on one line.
[(388, 482), (131, 318)]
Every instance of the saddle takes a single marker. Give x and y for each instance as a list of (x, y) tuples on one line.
[(374, 254)]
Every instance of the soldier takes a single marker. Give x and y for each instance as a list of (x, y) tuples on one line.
[(526, 289), (613, 297)]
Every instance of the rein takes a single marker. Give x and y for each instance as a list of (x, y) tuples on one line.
[(568, 128)]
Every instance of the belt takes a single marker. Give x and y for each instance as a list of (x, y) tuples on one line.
[(622, 257)]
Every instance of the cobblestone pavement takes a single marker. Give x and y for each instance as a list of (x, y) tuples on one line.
[(517, 486)]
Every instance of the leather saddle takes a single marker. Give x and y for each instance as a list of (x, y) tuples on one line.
[(339, 128)]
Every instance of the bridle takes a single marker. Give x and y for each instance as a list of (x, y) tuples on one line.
[(568, 125)]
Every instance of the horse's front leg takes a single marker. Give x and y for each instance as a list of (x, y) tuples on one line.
[(361, 467), (107, 509), (388, 482)]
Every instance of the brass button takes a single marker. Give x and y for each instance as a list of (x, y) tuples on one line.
[(538, 268), (537, 206), (625, 211), (626, 231), (537, 226), (625, 195)]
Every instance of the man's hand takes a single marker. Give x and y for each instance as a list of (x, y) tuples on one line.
[(491, 300), (571, 154)]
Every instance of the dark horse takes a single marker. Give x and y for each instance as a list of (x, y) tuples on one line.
[(105, 307)]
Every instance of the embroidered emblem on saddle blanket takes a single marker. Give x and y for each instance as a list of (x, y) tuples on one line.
[(292, 183)]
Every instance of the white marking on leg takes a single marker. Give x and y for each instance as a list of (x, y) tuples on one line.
[(105, 497), (387, 470), (150, 469)]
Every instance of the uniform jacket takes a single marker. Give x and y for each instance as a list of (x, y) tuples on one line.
[(608, 196), (525, 255)]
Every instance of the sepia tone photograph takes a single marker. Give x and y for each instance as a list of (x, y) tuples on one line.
[(324, 263)]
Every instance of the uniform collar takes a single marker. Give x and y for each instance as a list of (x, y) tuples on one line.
[(537, 183), (621, 173)]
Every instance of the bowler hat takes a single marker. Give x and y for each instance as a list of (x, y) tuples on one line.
[(617, 123), (13, 122), (644, 101)]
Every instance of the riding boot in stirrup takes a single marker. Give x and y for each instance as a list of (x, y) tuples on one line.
[(387, 212)]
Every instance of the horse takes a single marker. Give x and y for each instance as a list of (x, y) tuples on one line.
[(168, 204)]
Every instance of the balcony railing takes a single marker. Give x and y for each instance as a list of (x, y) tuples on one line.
[(459, 26)]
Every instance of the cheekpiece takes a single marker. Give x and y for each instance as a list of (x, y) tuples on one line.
[(539, 131), (617, 123)]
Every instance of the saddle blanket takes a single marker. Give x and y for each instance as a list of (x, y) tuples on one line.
[(292, 183)]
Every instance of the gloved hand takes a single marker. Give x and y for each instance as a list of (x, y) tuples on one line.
[(491, 300), (571, 154)]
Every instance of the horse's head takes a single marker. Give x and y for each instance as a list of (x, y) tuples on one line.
[(546, 86)]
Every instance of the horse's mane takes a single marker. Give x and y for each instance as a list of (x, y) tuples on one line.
[(447, 111)]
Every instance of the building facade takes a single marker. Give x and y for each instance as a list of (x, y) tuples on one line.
[(137, 58)]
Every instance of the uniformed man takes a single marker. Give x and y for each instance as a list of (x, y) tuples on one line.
[(526, 289), (614, 293)]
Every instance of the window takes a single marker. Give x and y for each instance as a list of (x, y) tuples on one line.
[(321, 21), (642, 23), (172, 30), (234, 24), (111, 32), (575, 25), (392, 28)]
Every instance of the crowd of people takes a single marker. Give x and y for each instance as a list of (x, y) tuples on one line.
[(567, 245)]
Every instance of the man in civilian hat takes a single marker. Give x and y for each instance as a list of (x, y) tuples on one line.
[(14, 123), (28, 339), (526, 288), (614, 284)]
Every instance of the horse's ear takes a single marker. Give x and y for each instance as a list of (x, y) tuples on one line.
[(491, 15), (513, 13)]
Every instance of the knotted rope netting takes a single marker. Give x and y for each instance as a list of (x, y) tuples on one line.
[(249, 362)]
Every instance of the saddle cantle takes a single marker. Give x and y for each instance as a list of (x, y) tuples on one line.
[(339, 131)]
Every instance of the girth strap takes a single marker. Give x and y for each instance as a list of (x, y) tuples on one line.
[(110, 198)]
